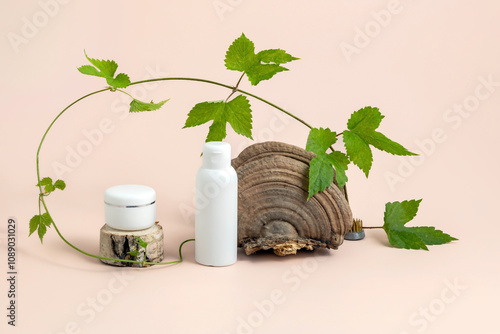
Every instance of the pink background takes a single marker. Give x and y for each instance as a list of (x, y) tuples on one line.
[(415, 64)]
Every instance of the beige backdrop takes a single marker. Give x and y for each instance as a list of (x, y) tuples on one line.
[(431, 67)]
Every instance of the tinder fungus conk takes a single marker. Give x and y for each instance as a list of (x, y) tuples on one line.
[(273, 210)]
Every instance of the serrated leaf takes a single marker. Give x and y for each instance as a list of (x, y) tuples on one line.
[(90, 70), (358, 151), (361, 133), (239, 116), (107, 68), (121, 81), (276, 56), (340, 162), (137, 106), (240, 55), (34, 222), (406, 240), (320, 174), (319, 140), (216, 131), (258, 67), (365, 119), (260, 72), (381, 142), (40, 223), (236, 112), (46, 219), (60, 184), (397, 214), (321, 171), (431, 236), (42, 230)]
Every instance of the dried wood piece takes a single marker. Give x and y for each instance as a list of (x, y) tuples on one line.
[(273, 211), (117, 244)]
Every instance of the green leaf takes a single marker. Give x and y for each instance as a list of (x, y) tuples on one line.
[(361, 133), (133, 253), (241, 55), (49, 188), (358, 151), (105, 69), (121, 81), (142, 243), (378, 140), (340, 162), (262, 66), (46, 219), (41, 232), (319, 140), (40, 223), (236, 112), (34, 222), (365, 119), (260, 72), (276, 56), (321, 171), (431, 236), (60, 184), (90, 70), (320, 174), (137, 106), (44, 182), (397, 214)]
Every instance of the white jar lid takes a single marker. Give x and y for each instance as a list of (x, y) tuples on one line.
[(129, 195)]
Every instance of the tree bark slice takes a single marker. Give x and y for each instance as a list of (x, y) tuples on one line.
[(117, 244)]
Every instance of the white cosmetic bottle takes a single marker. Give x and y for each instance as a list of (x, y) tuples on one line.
[(216, 219)]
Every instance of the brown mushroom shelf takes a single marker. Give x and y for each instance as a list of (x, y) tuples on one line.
[(273, 210)]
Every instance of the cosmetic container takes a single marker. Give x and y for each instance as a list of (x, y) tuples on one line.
[(216, 204), (130, 207)]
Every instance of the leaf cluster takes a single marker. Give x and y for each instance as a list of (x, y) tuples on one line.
[(237, 112), (41, 222), (360, 135), (49, 186), (107, 69)]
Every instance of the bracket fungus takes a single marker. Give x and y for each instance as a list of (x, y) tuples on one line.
[(273, 210)]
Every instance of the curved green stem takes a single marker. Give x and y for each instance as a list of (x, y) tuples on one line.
[(124, 92), (235, 88), (50, 127), (229, 87)]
